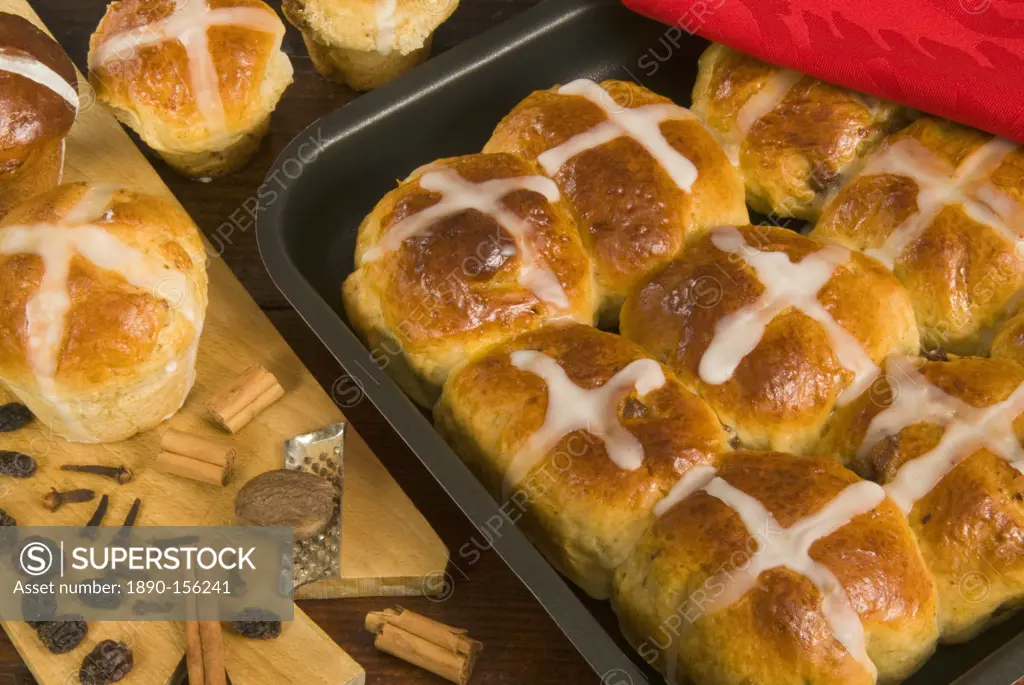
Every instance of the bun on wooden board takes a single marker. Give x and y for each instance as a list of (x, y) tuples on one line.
[(103, 294), (38, 105), (196, 79)]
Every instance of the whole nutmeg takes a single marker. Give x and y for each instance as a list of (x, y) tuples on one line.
[(285, 498)]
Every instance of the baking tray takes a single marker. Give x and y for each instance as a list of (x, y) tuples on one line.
[(449, 106)]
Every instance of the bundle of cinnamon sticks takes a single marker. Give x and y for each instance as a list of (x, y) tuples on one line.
[(443, 650)]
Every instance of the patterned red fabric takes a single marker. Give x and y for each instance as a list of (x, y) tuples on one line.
[(960, 59)]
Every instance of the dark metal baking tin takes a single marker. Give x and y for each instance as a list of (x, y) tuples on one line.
[(447, 107)]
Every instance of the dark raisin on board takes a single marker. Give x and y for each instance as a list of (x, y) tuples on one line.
[(37, 609), (143, 607), (100, 599), (14, 417), (62, 634), (8, 531), (257, 624), (108, 663), (36, 557), (16, 464)]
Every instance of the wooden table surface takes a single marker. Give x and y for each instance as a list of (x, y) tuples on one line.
[(522, 645)]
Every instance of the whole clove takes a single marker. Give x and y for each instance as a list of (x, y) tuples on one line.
[(101, 511), (14, 416), (126, 530), (16, 464), (55, 499), (133, 513), (121, 474)]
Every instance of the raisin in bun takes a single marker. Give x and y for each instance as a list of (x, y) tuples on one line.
[(944, 438), (792, 137), (38, 104), (581, 433), (641, 174), (366, 43), (771, 328), (943, 206), (779, 570), (196, 79), (466, 252), (102, 300)]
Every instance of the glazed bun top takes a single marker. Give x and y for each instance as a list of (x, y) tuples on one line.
[(772, 328), (942, 205), (793, 137), (485, 240), (97, 287), (572, 393), (185, 72), (641, 173), (371, 25), (38, 88)]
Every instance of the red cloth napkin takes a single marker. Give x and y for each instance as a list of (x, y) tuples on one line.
[(960, 59)]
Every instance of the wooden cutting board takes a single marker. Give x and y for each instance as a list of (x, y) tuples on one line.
[(388, 548)]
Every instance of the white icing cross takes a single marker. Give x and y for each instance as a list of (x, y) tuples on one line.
[(967, 429), (459, 195), (36, 71), (384, 14), (789, 548), (770, 96), (46, 312), (643, 124), (572, 408), (786, 284), (940, 184), (188, 24)]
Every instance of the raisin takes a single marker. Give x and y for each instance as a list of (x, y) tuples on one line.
[(36, 558), (99, 599), (37, 609), (16, 464), (108, 663), (143, 607), (62, 634), (14, 417), (8, 531), (257, 624)]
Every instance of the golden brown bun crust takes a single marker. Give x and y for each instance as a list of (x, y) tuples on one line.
[(1009, 341), (961, 274), (583, 511), (784, 390), (633, 217), (454, 289), (352, 25), (30, 113), (776, 633), (796, 153), (970, 527), (112, 327), (151, 88)]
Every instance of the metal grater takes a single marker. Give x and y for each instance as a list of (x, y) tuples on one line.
[(320, 453)]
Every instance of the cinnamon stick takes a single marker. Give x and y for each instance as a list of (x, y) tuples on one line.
[(213, 653), (453, 639), (194, 653), (455, 668), (244, 398), (188, 445), (441, 649), (194, 469)]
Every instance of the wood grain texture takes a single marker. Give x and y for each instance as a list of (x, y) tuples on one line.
[(522, 644)]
